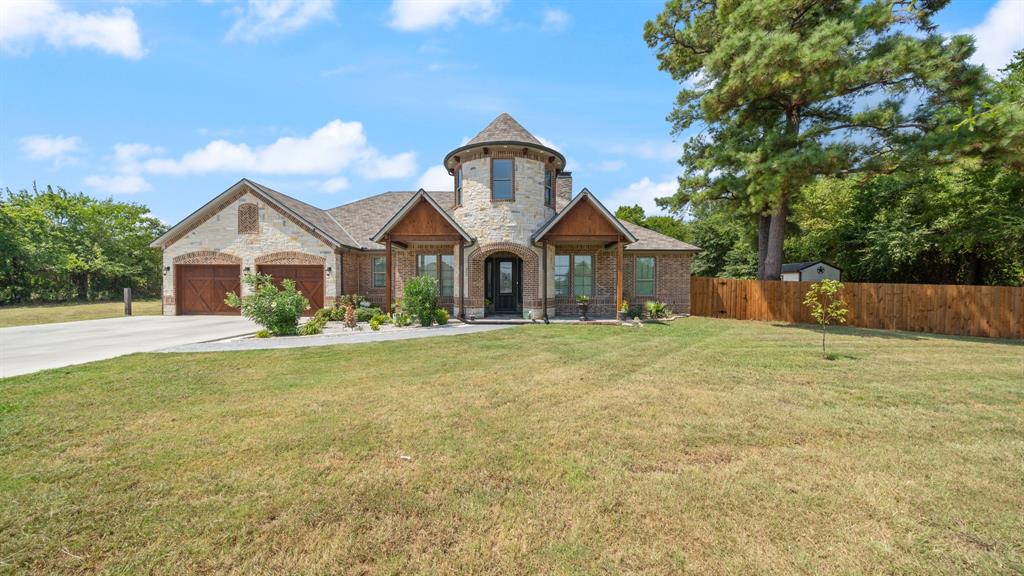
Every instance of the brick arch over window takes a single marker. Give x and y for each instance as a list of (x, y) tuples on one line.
[(531, 269), (291, 257), (207, 257)]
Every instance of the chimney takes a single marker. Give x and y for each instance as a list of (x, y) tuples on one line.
[(563, 190)]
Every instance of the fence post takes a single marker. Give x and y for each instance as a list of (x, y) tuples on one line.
[(127, 301)]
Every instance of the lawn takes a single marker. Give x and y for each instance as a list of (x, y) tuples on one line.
[(702, 446), (49, 313)]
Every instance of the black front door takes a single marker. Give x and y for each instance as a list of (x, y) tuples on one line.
[(505, 285)]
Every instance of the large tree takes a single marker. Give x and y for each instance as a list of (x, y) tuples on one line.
[(788, 90)]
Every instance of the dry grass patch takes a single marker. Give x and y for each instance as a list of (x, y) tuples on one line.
[(701, 446)]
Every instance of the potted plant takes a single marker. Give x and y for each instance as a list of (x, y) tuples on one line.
[(584, 304)]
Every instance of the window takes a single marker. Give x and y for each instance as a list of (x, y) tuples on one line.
[(561, 275), (458, 186), (644, 276), (439, 266), (501, 179), (582, 275), (549, 196), (379, 271), (248, 219)]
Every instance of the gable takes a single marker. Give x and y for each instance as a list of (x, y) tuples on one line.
[(423, 222), (583, 220)]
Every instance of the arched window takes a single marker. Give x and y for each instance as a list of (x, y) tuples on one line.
[(248, 219)]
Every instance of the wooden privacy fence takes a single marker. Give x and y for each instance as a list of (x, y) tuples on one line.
[(992, 311)]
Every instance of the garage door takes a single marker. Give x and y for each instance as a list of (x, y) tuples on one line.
[(201, 288), (308, 279)]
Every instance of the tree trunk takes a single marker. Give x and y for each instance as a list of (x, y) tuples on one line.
[(776, 238), (764, 220)]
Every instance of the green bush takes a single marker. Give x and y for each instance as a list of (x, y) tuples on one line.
[(441, 316), (402, 319), (275, 309), (367, 314), (420, 298), (375, 323), (264, 334), (656, 309), (316, 324)]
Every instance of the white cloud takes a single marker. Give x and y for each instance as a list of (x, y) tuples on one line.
[(56, 148), (23, 22), (609, 166), (435, 178), (999, 35), (549, 143), (555, 19), (331, 149), (336, 184), (268, 18), (642, 192), (117, 184), (412, 15)]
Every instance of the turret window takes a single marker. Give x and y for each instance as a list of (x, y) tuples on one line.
[(549, 196), (458, 187), (502, 171)]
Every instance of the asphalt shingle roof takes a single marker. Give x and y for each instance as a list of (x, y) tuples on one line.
[(504, 128), (363, 218), (647, 239)]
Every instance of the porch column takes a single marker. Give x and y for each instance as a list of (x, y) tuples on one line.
[(618, 280), (544, 278), (462, 275), (387, 277)]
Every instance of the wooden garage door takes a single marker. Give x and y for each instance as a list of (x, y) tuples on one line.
[(201, 288), (308, 279)]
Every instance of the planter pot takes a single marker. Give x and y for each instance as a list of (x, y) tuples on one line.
[(583, 311)]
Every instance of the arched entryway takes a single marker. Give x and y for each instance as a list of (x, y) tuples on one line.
[(503, 283)]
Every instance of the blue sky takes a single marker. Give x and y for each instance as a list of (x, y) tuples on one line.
[(170, 103)]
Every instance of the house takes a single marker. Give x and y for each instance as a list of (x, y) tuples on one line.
[(510, 237), (810, 271)]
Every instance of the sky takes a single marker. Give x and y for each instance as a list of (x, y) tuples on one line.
[(170, 103)]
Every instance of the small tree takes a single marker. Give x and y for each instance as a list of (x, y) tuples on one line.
[(420, 298), (826, 305), (275, 309)]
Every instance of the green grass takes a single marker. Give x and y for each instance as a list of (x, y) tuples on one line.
[(49, 313), (702, 446)]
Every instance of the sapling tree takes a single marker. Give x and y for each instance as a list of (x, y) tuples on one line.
[(826, 305)]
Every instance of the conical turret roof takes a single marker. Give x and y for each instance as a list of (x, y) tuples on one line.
[(503, 130)]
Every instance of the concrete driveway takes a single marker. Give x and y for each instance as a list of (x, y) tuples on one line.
[(25, 349)]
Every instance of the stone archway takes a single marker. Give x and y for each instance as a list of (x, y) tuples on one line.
[(299, 258), (530, 280), (207, 257)]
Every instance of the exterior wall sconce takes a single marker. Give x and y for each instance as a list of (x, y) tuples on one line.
[(166, 270), (328, 271), (246, 269)]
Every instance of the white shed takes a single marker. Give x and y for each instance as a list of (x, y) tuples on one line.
[(810, 271)]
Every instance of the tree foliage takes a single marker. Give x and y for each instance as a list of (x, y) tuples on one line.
[(826, 305), (786, 91), (55, 245), (276, 309)]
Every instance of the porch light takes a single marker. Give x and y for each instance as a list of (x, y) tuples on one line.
[(328, 270), (166, 270), (246, 269)]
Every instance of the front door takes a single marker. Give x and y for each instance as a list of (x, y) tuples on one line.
[(506, 285)]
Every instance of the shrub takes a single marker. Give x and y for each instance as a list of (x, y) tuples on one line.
[(826, 305), (350, 316), (583, 299), (367, 314), (316, 324), (264, 334), (375, 323), (354, 300), (275, 309), (402, 319), (420, 298), (625, 306), (656, 309), (441, 315)]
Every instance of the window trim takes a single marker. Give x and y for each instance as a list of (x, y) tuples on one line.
[(654, 279), (511, 198), (373, 272)]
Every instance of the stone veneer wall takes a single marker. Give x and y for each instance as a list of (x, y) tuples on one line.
[(218, 235)]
